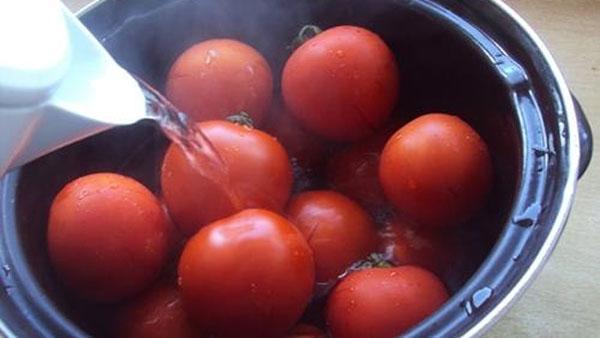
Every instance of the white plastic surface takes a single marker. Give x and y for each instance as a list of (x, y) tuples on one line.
[(34, 45), (90, 94), (95, 86)]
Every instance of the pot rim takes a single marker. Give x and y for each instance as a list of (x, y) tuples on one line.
[(557, 227)]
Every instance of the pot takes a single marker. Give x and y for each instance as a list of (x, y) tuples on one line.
[(476, 59)]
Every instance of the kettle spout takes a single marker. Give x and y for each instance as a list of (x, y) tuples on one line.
[(31, 133), (78, 92), (75, 111)]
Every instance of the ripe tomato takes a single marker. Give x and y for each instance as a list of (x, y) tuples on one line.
[(436, 170), (305, 331), (307, 148), (341, 84), (383, 302), (256, 166), (247, 275), (158, 313), (354, 172), (217, 78), (411, 245), (337, 229), (107, 236)]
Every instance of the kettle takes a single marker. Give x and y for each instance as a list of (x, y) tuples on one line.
[(57, 83)]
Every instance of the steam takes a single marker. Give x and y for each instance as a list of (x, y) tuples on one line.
[(147, 43)]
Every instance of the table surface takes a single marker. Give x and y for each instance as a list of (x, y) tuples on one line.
[(563, 301)]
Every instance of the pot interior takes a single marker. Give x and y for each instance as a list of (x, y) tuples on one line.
[(440, 69)]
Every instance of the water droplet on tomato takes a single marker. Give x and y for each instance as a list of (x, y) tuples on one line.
[(210, 55)]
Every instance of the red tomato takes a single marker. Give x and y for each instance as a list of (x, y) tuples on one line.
[(305, 331), (256, 166), (436, 170), (217, 78), (337, 229), (301, 144), (410, 245), (354, 172), (107, 236), (247, 275), (158, 313), (341, 84), (383, 302)]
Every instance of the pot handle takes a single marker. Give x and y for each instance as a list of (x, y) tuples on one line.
[(586, 142)]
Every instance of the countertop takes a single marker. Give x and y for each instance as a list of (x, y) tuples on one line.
[(563, 301)]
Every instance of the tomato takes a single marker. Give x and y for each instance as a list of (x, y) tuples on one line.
[(158, 313), (383, 302), (107, 236), (217, 78), (337, 229), (305, 331), (410, 245), (436, 170), (341, 84), (307, 148), (247, 275), (354, 172), (256, 166)]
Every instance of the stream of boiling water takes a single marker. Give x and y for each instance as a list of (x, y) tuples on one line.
[(198, 149)]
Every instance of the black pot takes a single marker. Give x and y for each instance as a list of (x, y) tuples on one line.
[(476, 59)]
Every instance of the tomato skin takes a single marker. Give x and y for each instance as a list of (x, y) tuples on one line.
[(108, 236), (337, 229), (259, 175), (217, 78), (253, 269), (305, 331), (383, 302), (410, 244), (354, 172), (158, 313), (307, 148), (436, 170), (341, 84)]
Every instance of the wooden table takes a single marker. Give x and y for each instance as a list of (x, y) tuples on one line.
[(565, 300)]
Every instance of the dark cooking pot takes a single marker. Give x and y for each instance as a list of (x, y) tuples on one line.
[(473, 58)]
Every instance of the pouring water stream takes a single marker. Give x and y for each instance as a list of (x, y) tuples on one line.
[(198, 149)]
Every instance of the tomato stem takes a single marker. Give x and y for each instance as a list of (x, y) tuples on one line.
[(242, 118), (374, 260), (306, 33)]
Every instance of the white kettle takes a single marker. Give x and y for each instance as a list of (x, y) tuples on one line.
[(57, 83)]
